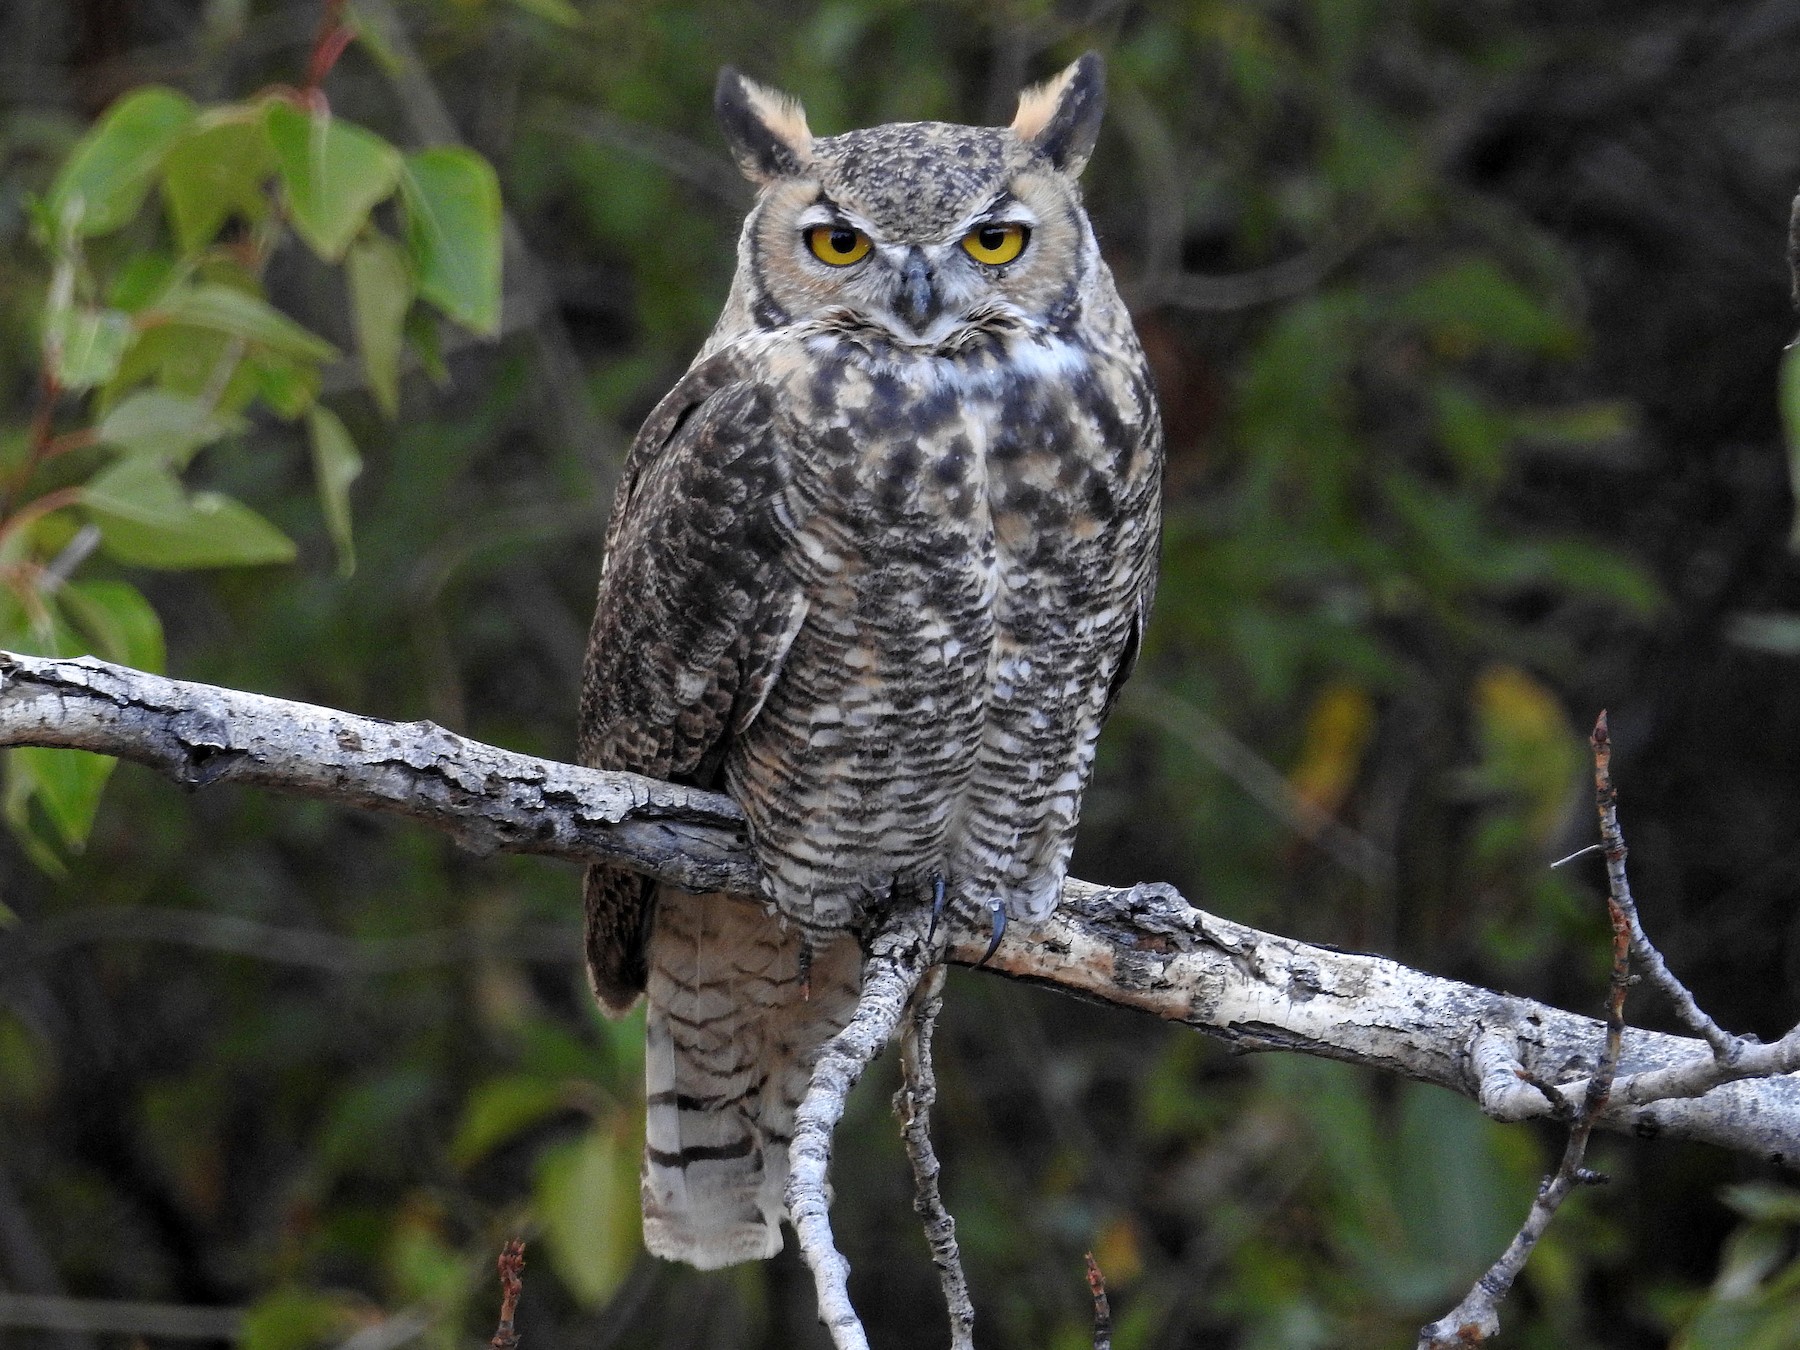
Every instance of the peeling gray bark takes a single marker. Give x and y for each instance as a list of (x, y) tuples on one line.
[(489, 800), (1144, 947), (896, 961)]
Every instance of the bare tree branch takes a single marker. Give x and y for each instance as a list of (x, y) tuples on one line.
[(1477, 1317), (1143, 947), (912, 1104), (898, 957)]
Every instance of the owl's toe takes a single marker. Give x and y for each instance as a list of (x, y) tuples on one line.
[(998, 913), (937, 905)]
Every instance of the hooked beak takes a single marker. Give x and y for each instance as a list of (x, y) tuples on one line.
[(919, 303)]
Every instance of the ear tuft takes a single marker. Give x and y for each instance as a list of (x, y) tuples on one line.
[(765, 128), (1060, 118)]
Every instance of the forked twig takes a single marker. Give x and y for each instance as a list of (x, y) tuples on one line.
[(1477, 1317), (897, 959)]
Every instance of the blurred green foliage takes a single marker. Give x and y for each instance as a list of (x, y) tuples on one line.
[(163, 337), (259, 1053)]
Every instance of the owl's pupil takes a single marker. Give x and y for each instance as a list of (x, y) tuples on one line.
[(992, 236), (843, 241)]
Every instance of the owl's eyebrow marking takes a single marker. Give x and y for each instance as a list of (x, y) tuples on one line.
[(998, 203)]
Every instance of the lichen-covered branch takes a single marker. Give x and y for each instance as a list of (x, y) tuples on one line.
[(487, 799), (1143, 947), (898, 956)]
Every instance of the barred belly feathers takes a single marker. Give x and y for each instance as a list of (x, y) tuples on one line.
[(877, 568)]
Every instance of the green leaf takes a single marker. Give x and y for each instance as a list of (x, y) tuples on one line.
[(421, 1267), (110, 169), (88, 344), (27, 1072), (335, 467), (141, 278), (586, 1197), (225, 309), (286, 385), (374, 40), (149, 520), (165, 425), (1471, 304), (176, 356), (334, 174), (296, 1319), (422, 332), (559, 12), (381, 291), (66, 783), (216, 171), (500, 1109), (123, 626), (453, 232)]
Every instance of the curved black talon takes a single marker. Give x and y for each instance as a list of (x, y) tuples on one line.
[(998, 911), (937, 905)]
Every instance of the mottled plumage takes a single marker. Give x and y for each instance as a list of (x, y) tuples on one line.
[(877, 567)]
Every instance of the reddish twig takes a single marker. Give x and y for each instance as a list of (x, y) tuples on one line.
[(512, 1281), (1102, 1309), (1725, 1046), (333, 36), (40, 435)]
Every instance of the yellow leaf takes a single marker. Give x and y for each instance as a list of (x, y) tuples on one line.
[(1338, 728)]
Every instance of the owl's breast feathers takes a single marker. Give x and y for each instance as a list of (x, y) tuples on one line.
[(890, 596)]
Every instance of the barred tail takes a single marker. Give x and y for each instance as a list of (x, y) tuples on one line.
[(729, 1046)]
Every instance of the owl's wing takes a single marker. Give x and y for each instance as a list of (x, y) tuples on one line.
[(1144, 592), (1134, 642), (693, 619)]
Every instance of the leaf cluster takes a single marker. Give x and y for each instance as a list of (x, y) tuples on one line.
[(159, 335)]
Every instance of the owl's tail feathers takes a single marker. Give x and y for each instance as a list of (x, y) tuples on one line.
[(730, 1044)]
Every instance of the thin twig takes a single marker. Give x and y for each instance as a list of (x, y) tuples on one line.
[(912, 1103), (1725, 1046), (512, 1281), (1102, 1308), (333, 36), (1477, 1317)]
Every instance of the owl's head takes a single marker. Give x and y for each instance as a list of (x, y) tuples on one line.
[(923, 231)]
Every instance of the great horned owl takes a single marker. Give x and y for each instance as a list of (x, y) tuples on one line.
[(878, 566)]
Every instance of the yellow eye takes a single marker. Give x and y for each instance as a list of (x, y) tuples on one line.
[(838, 245), (995, 244)]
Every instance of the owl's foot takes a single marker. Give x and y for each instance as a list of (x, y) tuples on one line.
[(998, 911), (937, 905)]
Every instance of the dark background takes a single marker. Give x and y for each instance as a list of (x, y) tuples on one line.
[(1467, 321)]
